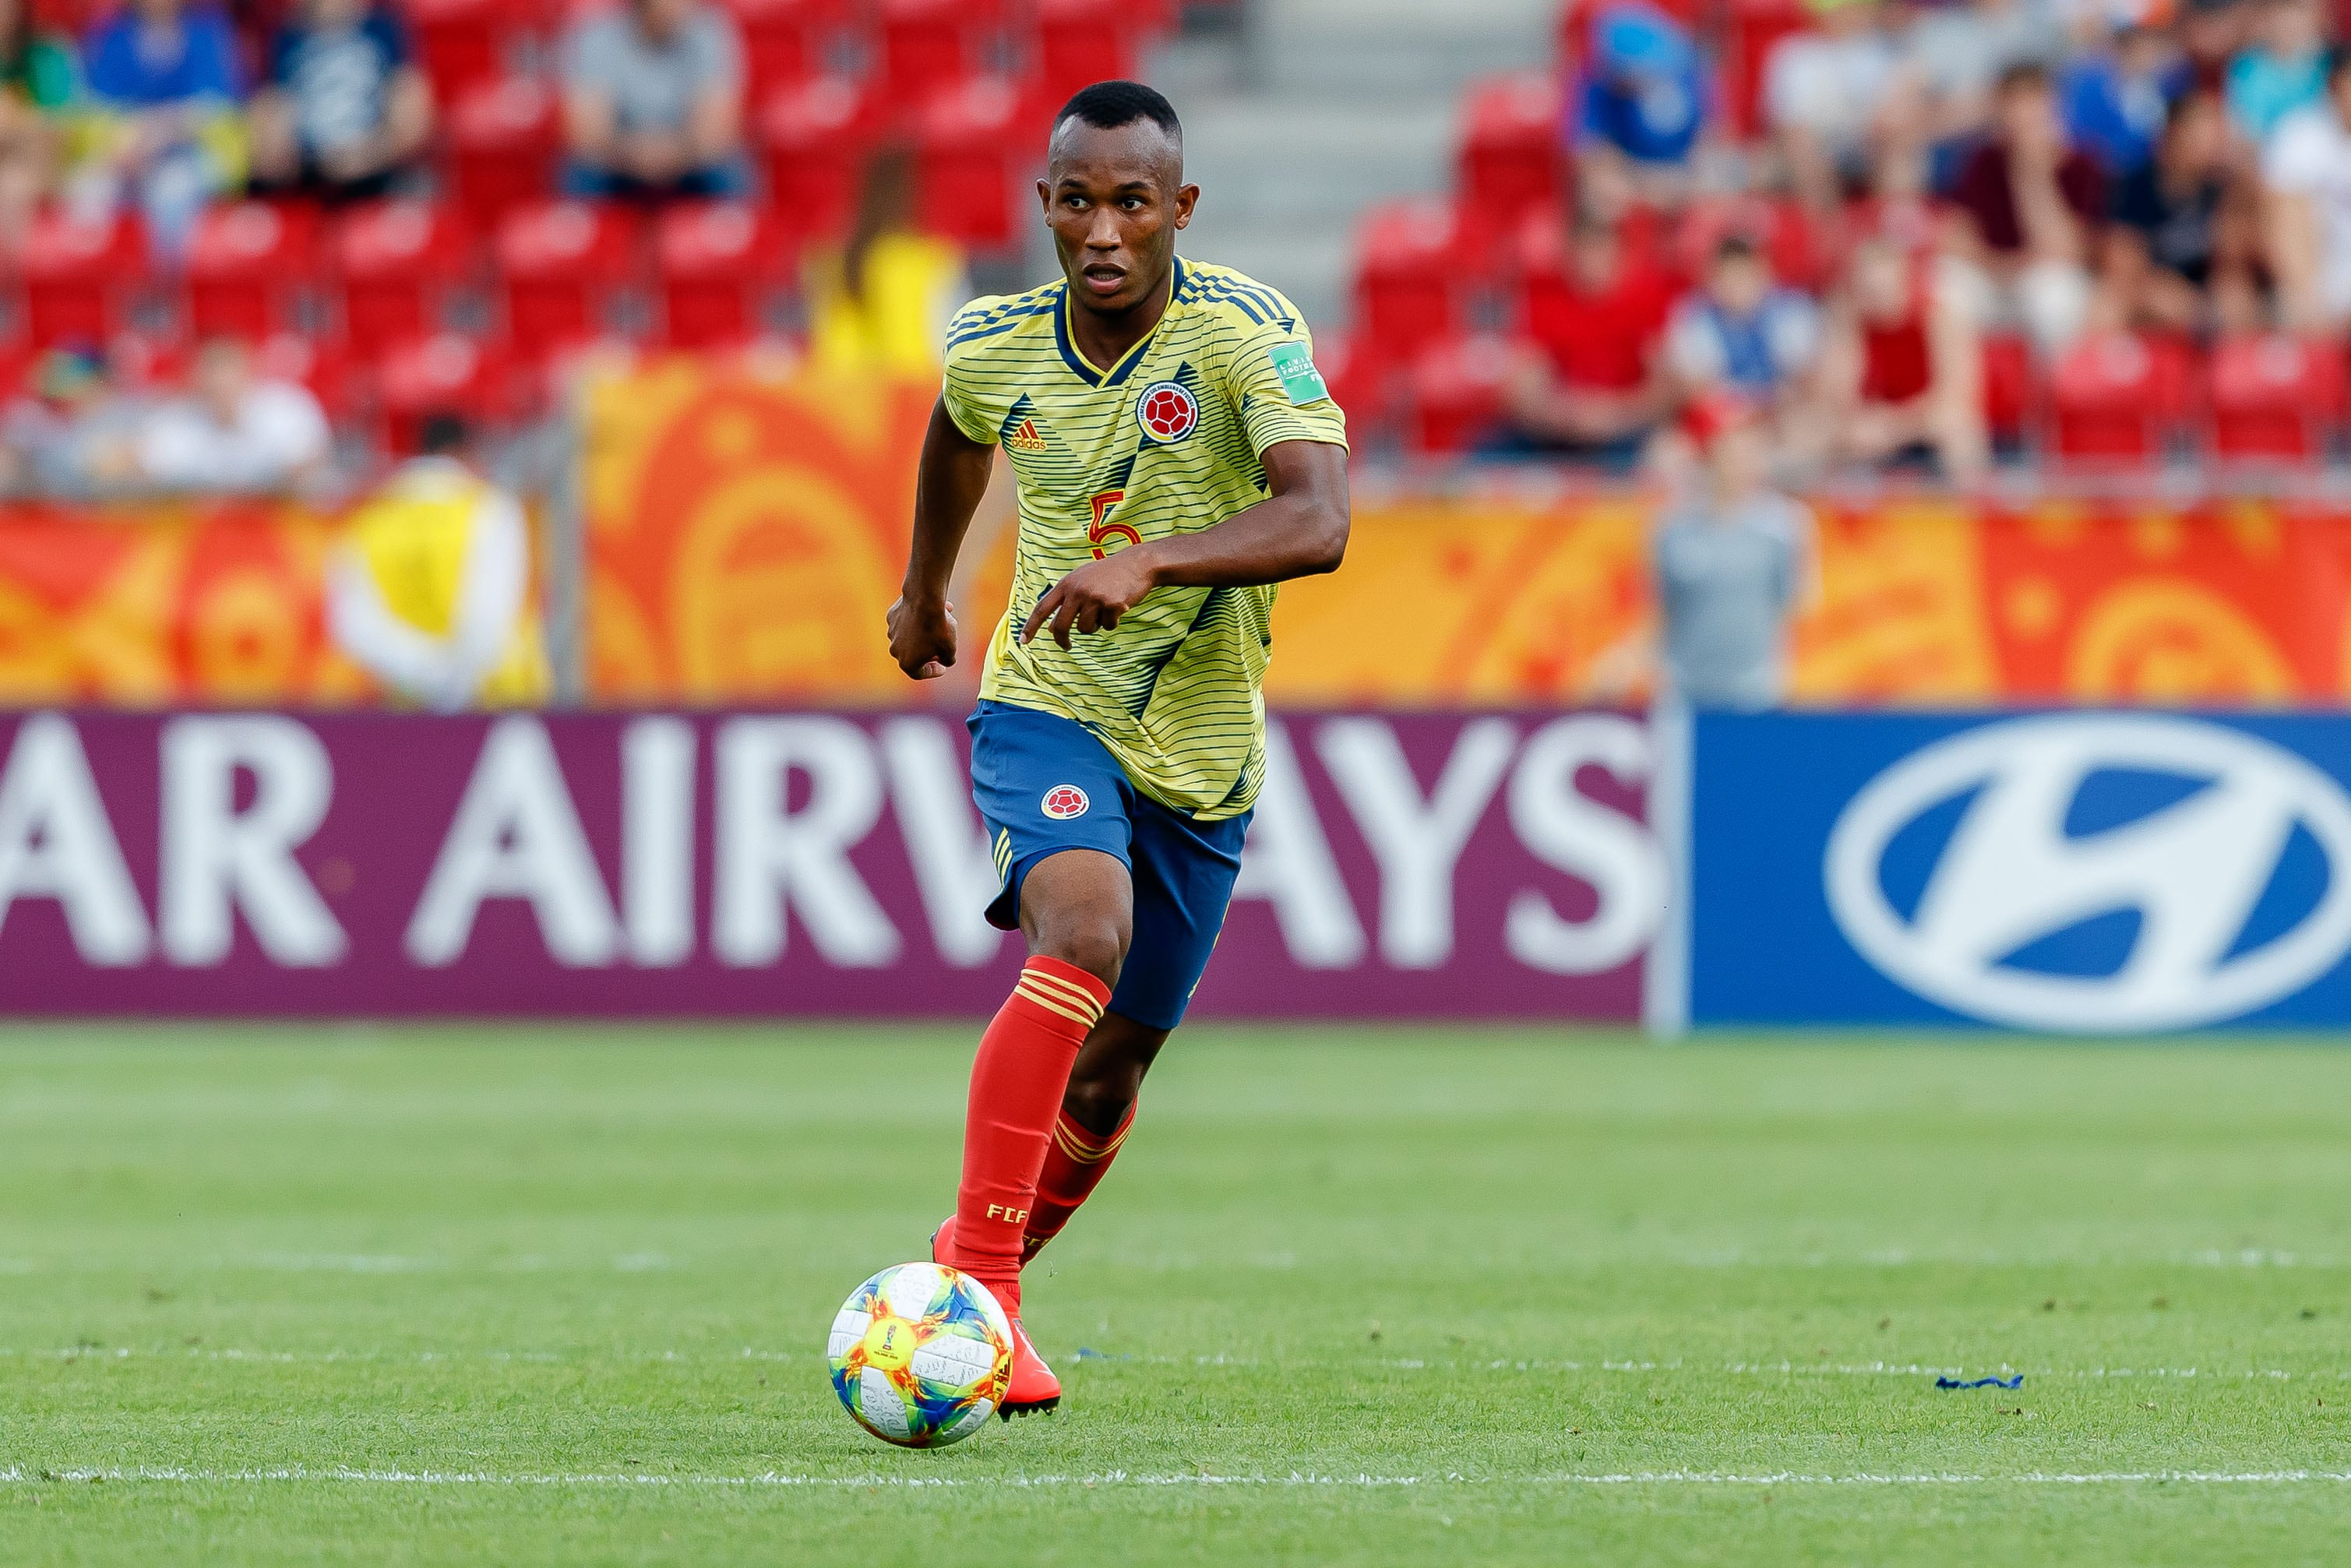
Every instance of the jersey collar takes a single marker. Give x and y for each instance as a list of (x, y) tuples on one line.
[(1116, 375)]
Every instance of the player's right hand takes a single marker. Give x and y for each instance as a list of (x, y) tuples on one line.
[(923, 637)]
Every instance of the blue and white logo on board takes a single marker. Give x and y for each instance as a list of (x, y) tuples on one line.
[(2096, 873)]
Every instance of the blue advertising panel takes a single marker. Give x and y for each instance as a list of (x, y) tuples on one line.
[(2077, 873)]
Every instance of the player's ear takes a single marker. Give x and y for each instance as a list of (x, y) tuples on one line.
[(1187, 198), (1045, 197)]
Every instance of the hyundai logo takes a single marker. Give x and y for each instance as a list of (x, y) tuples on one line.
[(2097, 873)]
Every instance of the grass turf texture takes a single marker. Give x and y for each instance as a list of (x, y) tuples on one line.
[(580, 1279)]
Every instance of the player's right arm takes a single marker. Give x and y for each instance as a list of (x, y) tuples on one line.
[(952, 478)]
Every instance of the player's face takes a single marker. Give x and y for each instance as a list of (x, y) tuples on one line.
[(1114, 200)]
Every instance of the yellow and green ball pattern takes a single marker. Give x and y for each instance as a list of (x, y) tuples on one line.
[(920, 1355)]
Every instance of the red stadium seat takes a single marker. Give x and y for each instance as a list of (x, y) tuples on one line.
[(559, 263), (1407, 282), (1786, 233), (1079, 42), (1365, 391), (1755, 27), (247, 261), (1509, 157), (321, 364), (76, 274), (816, 137), (462, 42), (1457, 394), (2115, 397), (784, 42), (713, 260), (444, 373), (965, 145), (503, 141), (2274, 396), (930, 45), (2009, 390), (396, 260)]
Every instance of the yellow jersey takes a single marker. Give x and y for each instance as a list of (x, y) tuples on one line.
[(1167, 440)]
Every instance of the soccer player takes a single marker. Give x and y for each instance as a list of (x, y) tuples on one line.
[(1177, 455)]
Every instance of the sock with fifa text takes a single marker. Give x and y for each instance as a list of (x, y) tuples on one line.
[(1075, 1162), (1016, 1084)]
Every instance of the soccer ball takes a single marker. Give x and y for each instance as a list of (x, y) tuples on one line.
[(920, 1355)]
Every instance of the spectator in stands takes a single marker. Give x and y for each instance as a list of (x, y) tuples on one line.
[(75, 438), (2306, 167), (1588, 382), (884, 302), (1734, 566), (2211, 33), (2034, 206), (1903, 366), (2113, 99), (167, 81), (653, 103), (2178, 255), (347, 111), (1831, 94), (2283, 70), (1964, 51), (429, 590), (38, 80), (1743, 331), (1645, 98), (234, 432)]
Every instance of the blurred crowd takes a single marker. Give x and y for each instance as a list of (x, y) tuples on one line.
[(1914, 178)]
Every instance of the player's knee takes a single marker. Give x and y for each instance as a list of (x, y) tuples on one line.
[(1094, 943)]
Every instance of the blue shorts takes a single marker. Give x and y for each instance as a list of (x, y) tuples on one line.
[(1045, 784)]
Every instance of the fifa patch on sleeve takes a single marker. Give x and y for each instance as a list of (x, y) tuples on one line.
[(1299, 376)]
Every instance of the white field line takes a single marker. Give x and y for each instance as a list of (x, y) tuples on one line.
[(1728, 1368), (17, 1474)]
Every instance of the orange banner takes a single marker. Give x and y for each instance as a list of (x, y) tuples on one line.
[(746, 535), (167, 604)]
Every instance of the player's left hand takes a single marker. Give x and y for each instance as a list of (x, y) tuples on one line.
[(1093, 597)]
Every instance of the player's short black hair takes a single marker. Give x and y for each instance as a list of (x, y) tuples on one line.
[(442, 434), (1107, 105)]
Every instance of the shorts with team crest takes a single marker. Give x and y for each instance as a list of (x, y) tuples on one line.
[(1043, 784)]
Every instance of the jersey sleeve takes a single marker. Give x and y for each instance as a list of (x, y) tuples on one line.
[(964, 344), (1279, 393)]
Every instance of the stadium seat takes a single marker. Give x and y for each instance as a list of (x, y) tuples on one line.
[(396, 260), (1457, 394), (1406, 285), (816, 137), (76, 274), (1365, 391), (2275, 396), (504, 137), (929, 46), (1083, 41), (320, 363), (784, 42), (1509, 157), (713, 260), (460, 42), (559, 263), (446, 373), (1754, 26), (247, 263), (1797, 254), (2009, 390), (964, 146), (2116, 397)]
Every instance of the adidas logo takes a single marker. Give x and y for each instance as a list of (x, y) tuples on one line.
[(1027, 438)]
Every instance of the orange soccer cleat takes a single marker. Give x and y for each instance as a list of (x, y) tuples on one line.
[(1033, 1389)]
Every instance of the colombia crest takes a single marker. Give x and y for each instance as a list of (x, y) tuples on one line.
[(1167, 412)]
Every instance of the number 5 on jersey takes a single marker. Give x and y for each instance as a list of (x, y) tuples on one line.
[(1103, 531)]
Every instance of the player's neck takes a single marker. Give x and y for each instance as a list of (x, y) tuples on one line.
[(1105, 336)]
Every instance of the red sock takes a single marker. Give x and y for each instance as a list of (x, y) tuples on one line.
[(1075, 1162), (1016, 1084)]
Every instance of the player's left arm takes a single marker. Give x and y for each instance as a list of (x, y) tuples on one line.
[(1300, 529)]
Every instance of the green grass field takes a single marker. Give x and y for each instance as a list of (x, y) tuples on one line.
[(1397, 1297)]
